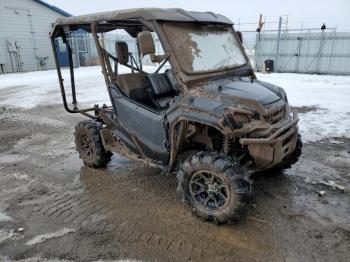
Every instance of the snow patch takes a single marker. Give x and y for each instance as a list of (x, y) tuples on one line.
[(9, 234), (41, 238), (122, 260), (330, 95), (11, 158), (20, 176), (4, 217), (5, 234)]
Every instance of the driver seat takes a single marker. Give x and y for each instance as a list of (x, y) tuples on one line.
[(132, 85), (160, 86)]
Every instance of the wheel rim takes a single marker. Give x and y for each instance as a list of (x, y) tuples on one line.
[(209, 189), (86, 146)]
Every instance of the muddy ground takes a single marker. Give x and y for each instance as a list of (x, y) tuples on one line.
[(51, 207)]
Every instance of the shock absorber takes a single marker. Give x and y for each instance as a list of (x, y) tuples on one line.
[(226, 144)]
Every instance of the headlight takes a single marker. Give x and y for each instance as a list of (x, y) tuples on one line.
[(241, 118), (236, 119)]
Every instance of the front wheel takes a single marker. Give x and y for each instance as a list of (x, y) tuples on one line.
[(215, 186)]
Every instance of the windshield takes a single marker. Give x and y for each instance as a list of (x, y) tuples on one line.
[(204, 48)]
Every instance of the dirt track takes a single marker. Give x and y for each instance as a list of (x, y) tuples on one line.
[(134, 212)]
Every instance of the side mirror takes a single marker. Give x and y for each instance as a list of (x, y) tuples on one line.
[(240, 37), (146, 47), (146, 44), (122, 51)]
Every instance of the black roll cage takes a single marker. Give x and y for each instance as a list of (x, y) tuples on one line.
[(132, 26), (103, 55)]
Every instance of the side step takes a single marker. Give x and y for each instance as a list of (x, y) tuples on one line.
[(114, 144)]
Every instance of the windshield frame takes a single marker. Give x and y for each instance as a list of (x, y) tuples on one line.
[(216, 71)]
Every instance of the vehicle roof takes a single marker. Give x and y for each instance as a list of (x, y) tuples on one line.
[(149, 14)]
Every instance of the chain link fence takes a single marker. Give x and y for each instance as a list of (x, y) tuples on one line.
[(85, 53)]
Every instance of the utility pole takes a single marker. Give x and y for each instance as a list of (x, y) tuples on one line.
[(278, 44), (257, 41), (320, 49)]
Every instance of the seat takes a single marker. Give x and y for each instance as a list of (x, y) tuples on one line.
[(134, 85), (162, 89), (154, 90), (160, 84)]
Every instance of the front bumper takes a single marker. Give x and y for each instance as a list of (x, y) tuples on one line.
[(270, 151)]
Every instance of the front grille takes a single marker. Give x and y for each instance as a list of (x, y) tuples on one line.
[(275, 116)]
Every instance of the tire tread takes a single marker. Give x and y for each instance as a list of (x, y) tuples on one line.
[(92, 129), (237, 175)]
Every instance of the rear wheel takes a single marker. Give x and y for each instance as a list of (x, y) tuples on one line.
[(215, 186), (89, 144)]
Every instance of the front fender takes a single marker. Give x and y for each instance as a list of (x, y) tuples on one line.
[(178, 128)]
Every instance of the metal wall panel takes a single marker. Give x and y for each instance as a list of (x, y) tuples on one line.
[(325, 52), (27, 23)]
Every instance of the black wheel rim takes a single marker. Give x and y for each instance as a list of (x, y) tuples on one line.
[(86, 146), (209, 189)]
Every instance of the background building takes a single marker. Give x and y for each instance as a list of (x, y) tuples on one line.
[(24, 35)]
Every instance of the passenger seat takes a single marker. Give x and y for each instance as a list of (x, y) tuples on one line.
[(162, 89)]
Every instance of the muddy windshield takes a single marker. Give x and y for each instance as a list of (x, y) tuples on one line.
[(204, 48)]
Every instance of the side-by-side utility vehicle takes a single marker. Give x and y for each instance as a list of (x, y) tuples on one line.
[(201, 113)]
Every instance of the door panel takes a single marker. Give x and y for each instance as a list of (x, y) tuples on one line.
[(146, 126)]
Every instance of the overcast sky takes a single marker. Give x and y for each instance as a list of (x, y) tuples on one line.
[(311, 13)]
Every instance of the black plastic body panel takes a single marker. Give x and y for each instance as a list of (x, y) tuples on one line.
[(144, 130)]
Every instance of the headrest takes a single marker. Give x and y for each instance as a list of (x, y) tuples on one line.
[(122, 51), (146, 43)]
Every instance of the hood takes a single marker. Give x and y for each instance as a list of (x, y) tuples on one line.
[(244, 88)]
